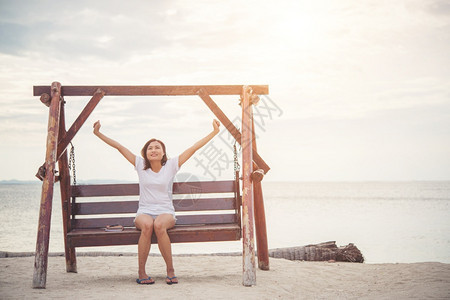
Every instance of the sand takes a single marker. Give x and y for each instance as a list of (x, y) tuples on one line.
[(220, 277)]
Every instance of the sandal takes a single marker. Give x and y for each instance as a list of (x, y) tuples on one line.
[(170, 282), (141, 281)]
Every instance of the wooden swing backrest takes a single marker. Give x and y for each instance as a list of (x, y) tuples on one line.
[(205, 211), (191, 201)]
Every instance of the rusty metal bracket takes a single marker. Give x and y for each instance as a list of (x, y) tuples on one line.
[(41, 172), (45, 99), (257, 175)]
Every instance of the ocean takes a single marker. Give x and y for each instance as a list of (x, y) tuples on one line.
[(390, 222)]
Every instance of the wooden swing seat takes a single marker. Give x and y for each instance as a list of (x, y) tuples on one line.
[(206, 211)]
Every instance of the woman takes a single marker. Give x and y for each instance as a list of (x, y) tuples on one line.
[(156, 212)]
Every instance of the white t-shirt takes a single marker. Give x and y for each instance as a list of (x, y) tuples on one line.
[(155, 189)]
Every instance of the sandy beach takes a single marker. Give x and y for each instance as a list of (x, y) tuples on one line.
[(220, 277)]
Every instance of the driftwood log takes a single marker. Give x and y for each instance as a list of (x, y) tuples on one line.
[(327, 251)]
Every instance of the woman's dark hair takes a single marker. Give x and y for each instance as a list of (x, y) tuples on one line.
[(144, 154)]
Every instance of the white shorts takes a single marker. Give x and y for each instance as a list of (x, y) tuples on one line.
[(153, 216)]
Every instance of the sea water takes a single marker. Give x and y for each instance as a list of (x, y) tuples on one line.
[(388, 221)]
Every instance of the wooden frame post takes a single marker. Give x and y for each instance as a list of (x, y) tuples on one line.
[(43, 234), (64, 184), (248, 252), (260, 217)]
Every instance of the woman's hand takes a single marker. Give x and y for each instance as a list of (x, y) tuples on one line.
[(97, 126), (124, 151), (216, 125)]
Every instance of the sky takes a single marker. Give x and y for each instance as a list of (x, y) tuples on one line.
[(358, 90)]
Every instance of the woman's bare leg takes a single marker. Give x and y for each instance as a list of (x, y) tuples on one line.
[(162, 224), (145, 223)]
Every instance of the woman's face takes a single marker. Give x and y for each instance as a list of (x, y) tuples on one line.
[(155, 151)]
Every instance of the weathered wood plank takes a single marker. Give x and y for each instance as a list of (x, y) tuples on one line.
[(260, 218), (64, 183), (129, 221), (196, 204), (121, 207), (178, 234), (248, 253), (152, 90), (132, 189), (102, 222), (113, 207), (43, 234), (105, 190), (203, 187)]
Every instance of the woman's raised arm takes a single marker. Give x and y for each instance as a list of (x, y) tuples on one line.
[(124, 151), (190, 151)]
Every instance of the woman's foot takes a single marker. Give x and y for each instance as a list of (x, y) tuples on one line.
[(147, 280), (171, 278), (144, 279)]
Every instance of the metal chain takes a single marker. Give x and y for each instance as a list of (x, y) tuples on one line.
[(72, 164), (237, 167)]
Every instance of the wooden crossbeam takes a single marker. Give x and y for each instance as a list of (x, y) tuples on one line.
[(67, 138), (152, 90), (230, 127)]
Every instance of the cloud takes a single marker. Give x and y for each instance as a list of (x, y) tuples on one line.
[(13, 37), (439, 7), (82, 29), (326, 62)]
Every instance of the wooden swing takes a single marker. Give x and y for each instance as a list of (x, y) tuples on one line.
[(191, 199), (230, 223)]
